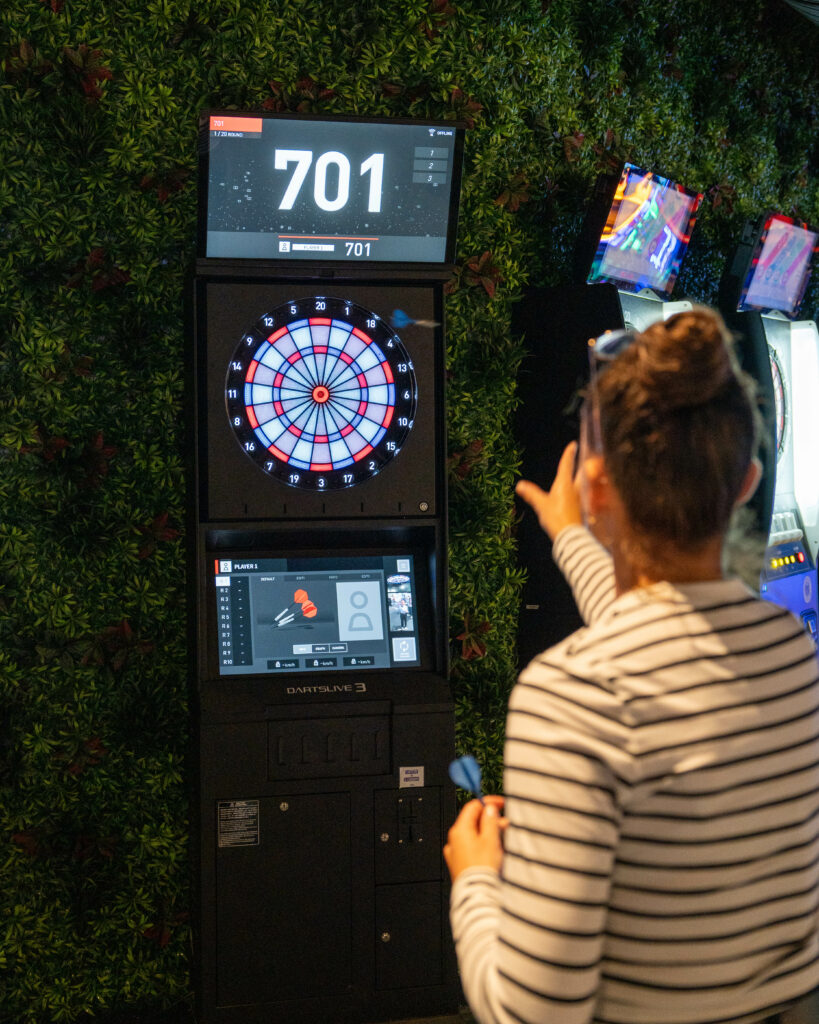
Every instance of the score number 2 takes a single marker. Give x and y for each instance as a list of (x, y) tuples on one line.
[(303, 158)]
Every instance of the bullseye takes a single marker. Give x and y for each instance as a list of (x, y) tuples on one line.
[(320, 394)]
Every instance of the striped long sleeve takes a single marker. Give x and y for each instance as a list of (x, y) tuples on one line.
[(661, 862), (588, 569)]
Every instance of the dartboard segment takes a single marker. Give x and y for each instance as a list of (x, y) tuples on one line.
[(321, 393)]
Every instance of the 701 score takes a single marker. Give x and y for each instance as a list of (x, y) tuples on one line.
[(373, 167)]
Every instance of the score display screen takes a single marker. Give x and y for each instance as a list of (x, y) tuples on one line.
[(780, 266), (316, 614), (647, 232), (306, 188)]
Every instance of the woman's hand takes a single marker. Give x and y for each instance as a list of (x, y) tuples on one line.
[(475, 839), (560, 506)]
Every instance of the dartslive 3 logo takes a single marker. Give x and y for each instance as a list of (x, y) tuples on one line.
[(323, 688)]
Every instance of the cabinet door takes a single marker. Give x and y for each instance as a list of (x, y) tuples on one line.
[(409, 950), (284, 906)]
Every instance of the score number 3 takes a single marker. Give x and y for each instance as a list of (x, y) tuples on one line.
[(303, 158)]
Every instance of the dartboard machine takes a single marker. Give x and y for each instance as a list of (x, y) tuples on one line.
[(322, 716), (627, 257), (761, 295)]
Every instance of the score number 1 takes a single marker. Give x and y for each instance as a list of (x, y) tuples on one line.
[(303, 158)]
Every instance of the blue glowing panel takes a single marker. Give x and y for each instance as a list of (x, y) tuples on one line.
[(647, 232)]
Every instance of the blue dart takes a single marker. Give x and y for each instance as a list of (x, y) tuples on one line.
[(466, 773), (401, 319)]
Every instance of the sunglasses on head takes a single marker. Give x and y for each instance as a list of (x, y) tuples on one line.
[(603, 349), (608, 346)]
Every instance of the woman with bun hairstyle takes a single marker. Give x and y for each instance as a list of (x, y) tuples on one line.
[(658, 856)]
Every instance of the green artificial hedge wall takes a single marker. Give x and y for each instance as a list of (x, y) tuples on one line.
[(98, 114)]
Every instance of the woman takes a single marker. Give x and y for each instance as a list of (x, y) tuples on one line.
[(660, 850)]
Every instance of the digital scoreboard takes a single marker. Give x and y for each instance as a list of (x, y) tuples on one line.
[(318, 189)]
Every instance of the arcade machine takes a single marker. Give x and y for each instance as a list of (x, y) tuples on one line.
[(634, 237), (761, 295), (322, 715)]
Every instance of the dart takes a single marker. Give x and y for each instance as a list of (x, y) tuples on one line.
[(299, 598), (466, 773), (308, 610), (401, 319)]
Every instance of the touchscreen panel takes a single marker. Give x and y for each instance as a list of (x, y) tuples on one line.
[(290, 189), (308, 614)]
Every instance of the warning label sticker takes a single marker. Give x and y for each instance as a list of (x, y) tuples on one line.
[(411, 777), (238, 822)]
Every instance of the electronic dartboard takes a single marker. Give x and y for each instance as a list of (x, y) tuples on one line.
[(320, 393), (317, 568)]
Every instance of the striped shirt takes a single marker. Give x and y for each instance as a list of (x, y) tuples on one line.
[(661, 863)]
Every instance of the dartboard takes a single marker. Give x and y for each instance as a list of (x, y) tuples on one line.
[(320, 393), (780, 402)]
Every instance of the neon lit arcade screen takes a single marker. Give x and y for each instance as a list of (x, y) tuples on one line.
[(646, 234), (780, 266), (285, 188)]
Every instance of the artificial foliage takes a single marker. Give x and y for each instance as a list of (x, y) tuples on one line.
[(98, 116)]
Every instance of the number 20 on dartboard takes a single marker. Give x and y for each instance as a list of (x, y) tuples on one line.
[(339, 165)]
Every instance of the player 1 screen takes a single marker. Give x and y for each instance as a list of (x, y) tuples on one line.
[(310, 614), (290, 189), (780, 266), (647, 232)]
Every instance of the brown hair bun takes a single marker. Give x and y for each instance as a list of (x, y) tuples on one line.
[(686, 361), (679, 425)]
